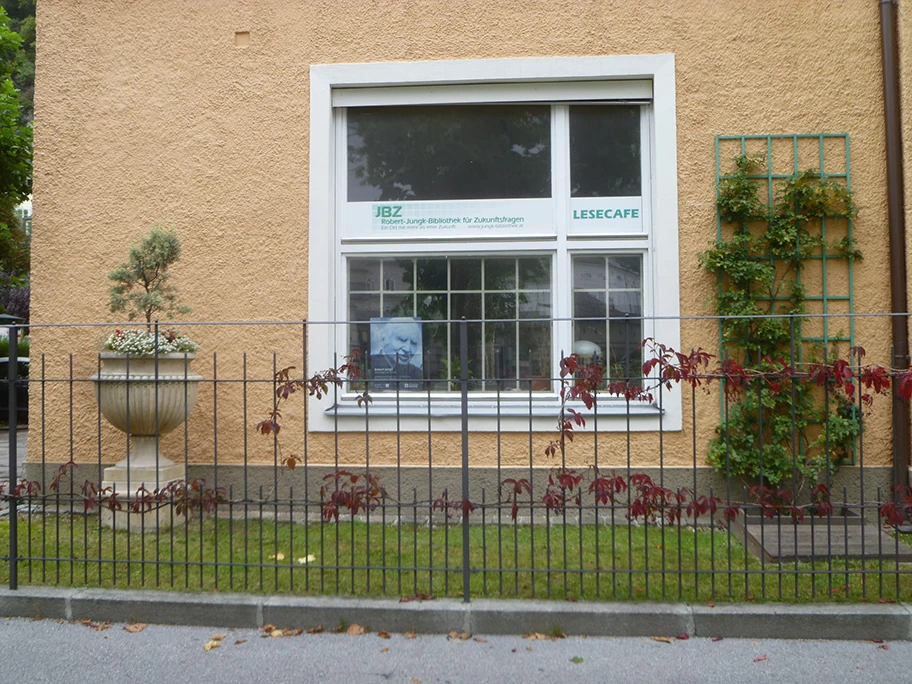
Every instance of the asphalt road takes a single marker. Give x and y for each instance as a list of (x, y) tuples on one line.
[(48, 651)]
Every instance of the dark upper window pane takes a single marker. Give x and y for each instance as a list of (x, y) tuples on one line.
[(465, 274), (364, 275), (500, 274), (432, 274), (605, 151), (451, 152), (534, 273)]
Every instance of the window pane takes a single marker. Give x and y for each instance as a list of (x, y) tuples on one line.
[(625, 358), (535, 305), (589, 335), (535, 273), (364, 275), (608, 290), (625, 272), (465, 274), (605, 151), (504, 354), (436, 364), (361, 308), (500, 274), (449, 152), (500, 306), (398, 304), (500, 352), (535, 356), (589, 273), (432, 274), (397, 275), (432, 306)]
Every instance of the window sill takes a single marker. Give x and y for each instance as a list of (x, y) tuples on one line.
[(512, 408)]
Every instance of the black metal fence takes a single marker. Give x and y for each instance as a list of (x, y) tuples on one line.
[(699, 476)]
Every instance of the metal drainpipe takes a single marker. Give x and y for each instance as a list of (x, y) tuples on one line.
[(896, 215)]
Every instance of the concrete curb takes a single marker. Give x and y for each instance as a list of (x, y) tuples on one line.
[(482, 616)]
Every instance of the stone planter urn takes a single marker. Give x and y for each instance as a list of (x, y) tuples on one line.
[(146, 404)]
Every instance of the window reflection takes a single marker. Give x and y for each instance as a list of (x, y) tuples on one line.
[(509, 346), (450, 152)]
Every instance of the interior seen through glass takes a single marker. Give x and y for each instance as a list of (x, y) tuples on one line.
[(607, 312), (405, 314)]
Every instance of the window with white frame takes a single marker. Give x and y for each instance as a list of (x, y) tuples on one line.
[(528, 208)]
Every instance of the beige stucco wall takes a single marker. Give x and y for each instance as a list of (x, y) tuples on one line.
[(147, 112)]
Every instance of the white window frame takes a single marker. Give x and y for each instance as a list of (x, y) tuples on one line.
[(643, 78)]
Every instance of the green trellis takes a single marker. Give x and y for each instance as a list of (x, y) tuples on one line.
[(828, 278)]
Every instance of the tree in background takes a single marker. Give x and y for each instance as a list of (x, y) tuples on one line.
[(17, 68), (21, 15)]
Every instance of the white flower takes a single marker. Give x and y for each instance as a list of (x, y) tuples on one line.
[(143, 342)]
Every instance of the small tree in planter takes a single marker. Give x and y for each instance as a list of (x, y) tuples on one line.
[(141, 286), (146, 387)]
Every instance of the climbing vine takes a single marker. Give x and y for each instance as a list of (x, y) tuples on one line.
[(790, 431)]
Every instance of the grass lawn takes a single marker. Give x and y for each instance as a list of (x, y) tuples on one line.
[(356, 558)]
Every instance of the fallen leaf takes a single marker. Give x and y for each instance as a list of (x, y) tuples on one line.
[(240, 641), (309, 558), (277, 634), (884, 647), (480, 640), (279, 556), (877, 641), (683, 637), (576, 659), (355, 629), (759, 658), (384, 650), (218, 637), (459, 636), (315, 630), (529, 649), (211, 644), (297, 631), (135, 627), (663, 639), (535, 636), (383, 634), (710, 604), (717, 638), (267, 628), (416, 681), (410, 635)]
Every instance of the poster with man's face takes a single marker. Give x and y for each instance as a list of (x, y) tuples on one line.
[(396, 358)]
